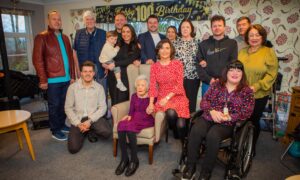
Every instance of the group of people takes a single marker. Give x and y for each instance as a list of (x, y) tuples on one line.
[(236, 75)]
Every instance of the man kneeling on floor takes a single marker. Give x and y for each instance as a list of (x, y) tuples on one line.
[(85, 105)]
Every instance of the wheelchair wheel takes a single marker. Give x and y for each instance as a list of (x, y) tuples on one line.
[(244, 155)]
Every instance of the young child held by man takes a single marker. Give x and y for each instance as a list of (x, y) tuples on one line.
[(109, 51)]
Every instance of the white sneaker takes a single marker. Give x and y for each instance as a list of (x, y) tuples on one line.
[(121, 86)]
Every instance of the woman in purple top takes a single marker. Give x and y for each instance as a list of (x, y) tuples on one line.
[(133, 123), (225, 102)]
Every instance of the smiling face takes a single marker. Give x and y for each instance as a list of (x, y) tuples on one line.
[(242, 26), (218, 28), (87, 74), (171, 34), (234, 76), (54, 21), (120, 20), (141, 87), (254, 38), (186, 29), (126, 34), (89, 22), (152, 25), (165, 51)]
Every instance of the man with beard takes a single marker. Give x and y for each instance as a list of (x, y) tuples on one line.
[(149, 40)]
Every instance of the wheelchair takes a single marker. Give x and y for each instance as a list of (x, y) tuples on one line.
[(237, 150)]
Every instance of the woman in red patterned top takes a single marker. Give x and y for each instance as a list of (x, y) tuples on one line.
[(166, 83), (225, 102)]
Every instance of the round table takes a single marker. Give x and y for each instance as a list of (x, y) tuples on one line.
[(14, 120)]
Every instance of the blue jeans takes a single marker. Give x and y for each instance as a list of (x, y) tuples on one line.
[(56, 102), (204, 88)]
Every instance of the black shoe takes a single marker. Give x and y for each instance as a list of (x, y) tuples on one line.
[(121, 167), (92, 137), (133, 166), (204, 175), (189, 172)]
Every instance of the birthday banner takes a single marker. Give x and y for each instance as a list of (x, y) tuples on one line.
[(194, 10)]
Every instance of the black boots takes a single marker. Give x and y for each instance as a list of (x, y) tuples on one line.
[(189, 172), (133, 166), (121, 167)]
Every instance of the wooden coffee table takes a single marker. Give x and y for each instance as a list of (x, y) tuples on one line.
[(14, 120)]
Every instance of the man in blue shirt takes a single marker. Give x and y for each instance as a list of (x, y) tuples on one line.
[(88, 44)]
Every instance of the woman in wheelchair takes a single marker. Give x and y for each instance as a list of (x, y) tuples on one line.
[(226, 102), (133, 123), (166, 82)]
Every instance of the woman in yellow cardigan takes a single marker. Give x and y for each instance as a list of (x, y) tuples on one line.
[(261, 67)]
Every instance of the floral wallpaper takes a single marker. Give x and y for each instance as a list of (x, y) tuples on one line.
[(281, 20), (279, 17)]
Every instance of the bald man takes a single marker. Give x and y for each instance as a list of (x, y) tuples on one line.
[(53, 62)]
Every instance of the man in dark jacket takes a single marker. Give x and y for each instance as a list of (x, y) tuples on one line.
[(215, 53), (88, 44), (149, 40), (53, 61)]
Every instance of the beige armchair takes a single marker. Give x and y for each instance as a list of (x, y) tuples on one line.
[(148, 136)]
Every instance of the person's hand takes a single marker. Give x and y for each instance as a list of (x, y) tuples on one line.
[(203, 63), (82, 128), (72, 81), (163, 102), (150, 108), (149, 61), (105, 66), (87, 124), (253, 88), (44, 86), (212, 81), (137, 63), (126, 118), (217, 116), (106, 72), (111, 66)]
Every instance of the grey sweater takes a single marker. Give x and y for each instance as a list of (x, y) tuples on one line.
[(82, 101)]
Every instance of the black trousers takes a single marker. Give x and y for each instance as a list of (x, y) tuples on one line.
[(259, 107), (214, 133), (76, 138), (191, 87), (116, 95), (178, 125), (132, 144)]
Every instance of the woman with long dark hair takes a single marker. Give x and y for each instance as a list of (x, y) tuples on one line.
[(228, 100), (128, 53)]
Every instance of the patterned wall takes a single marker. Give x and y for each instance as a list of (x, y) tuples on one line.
[(279, 17), (281, 20)]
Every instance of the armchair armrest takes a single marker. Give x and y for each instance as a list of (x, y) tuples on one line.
[(119, 110), (159, 125)]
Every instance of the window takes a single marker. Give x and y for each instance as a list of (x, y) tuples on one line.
[(18, 40)]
